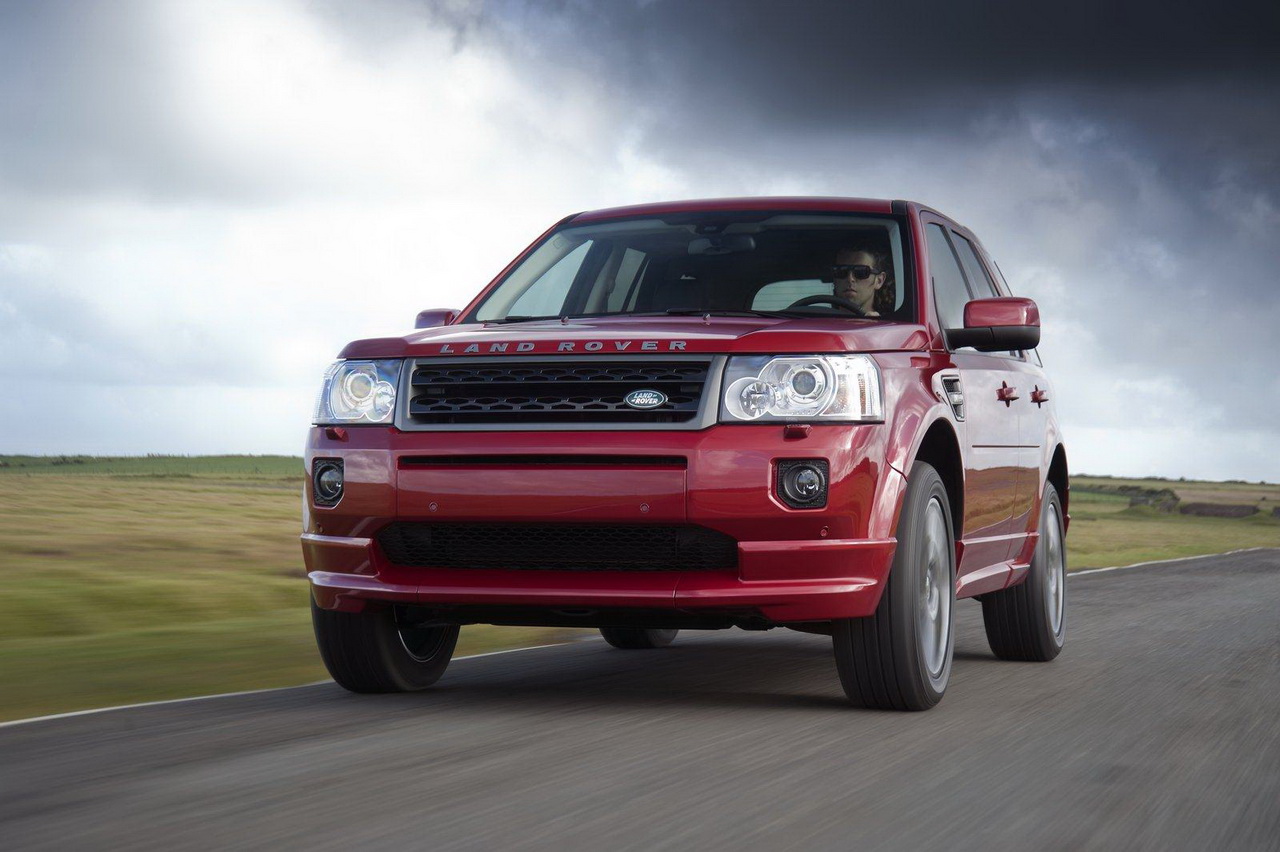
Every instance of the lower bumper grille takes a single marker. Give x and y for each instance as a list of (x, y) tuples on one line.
[(564, 547)]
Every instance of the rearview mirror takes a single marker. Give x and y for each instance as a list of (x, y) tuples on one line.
[(434, 317), (996, 325), (723, 244)]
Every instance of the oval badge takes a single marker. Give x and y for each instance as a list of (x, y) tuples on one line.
[(645, 399)]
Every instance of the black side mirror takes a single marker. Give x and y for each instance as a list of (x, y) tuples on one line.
[(434, 317)]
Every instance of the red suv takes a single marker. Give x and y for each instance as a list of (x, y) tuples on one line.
[(815, 413)]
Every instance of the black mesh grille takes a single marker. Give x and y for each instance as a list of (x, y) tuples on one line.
[(566, 547), (554, 392)]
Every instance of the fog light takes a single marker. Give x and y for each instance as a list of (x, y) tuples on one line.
[(326, 482), (802, 483)]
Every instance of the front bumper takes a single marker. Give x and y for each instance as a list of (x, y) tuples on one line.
[(793, 565)]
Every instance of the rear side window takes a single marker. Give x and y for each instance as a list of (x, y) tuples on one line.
[(979, 280), (949, 290)]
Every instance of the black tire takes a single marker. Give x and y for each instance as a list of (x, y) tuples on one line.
[(1028, 622), (370, 652), (899, 658), (637, 638)]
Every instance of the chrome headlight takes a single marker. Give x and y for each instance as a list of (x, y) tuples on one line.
[(802, 387), (358, 392)]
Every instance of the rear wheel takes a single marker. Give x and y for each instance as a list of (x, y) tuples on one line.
[(637, 638), (1029, 621), (382, 650), (899, 658)]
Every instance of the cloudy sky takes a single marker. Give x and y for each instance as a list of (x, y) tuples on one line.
[(201, 202)]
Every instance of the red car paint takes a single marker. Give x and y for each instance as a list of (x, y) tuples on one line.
[(794, 565)]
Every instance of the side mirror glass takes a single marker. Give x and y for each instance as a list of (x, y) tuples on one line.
[(997, 325), (434, 317)]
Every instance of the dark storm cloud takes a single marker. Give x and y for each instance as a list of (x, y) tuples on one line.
[(1194, 88), (1204, 74), (799, 61), (1130, 147)]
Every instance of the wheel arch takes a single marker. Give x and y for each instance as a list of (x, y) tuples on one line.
[(1059, 479), (941, 449)]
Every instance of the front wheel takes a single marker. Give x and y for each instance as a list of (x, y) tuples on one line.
[(1029, 621), (382, 650), (899, 658), (637, 638)]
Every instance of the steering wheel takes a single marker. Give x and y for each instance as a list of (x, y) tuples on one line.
[(834, 301)]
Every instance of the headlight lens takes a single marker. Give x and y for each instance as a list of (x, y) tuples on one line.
[(358, 392), (802, 387)]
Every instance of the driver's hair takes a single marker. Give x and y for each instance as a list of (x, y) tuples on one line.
[(886, 301)]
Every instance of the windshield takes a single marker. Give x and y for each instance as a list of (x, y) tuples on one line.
[(783, 264)]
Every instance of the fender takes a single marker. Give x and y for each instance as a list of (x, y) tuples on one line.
[(916, 407)]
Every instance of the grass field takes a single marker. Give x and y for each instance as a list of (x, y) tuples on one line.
[(137, 579), (1264, 495), (1105, 531)]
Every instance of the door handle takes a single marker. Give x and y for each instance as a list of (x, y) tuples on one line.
[(1006, 393)]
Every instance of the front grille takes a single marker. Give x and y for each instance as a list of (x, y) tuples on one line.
[(564, 547), (563, 391)]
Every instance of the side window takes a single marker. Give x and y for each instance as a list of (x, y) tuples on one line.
[(949, 290), (978, 273), (979, 280), (546, 296), (1002, 289)]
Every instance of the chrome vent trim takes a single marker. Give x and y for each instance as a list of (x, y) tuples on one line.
[(955, 395)]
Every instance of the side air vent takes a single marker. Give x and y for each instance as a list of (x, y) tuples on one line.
[(955, 396)]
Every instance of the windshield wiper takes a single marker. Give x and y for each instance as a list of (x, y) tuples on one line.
[(504, 320)]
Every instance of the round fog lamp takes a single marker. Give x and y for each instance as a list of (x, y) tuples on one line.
[(803, 485), (328, 482)]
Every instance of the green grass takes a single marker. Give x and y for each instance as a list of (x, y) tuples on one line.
[(136, 579), (1106, 531)]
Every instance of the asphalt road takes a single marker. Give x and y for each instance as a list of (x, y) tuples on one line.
[(1158, 728)]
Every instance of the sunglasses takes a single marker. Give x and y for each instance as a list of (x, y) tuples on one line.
[(860, 271)]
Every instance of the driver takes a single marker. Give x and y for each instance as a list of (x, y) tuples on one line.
[(857, 276)]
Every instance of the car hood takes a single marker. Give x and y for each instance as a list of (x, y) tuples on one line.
[(647, 335)]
